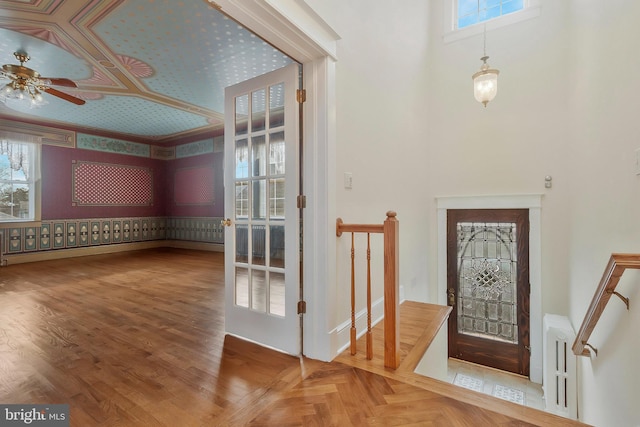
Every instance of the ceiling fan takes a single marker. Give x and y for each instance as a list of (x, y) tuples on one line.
[(27, 84)]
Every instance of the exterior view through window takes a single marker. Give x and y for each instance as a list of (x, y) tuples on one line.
[(17, 181), (472, 12)]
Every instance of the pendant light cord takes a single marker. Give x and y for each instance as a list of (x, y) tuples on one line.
[(484, 48)]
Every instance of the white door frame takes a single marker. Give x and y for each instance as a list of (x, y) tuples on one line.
[(294, 28), (533, 202)]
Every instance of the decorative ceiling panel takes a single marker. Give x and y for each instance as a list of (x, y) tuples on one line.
[(153, 69)]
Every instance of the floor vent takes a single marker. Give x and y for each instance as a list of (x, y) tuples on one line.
[(559, 365)]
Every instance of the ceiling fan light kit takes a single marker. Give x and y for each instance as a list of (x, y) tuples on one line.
[(26, 86)]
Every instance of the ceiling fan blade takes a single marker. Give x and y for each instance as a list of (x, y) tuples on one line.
[(65, 96), (59, 81)]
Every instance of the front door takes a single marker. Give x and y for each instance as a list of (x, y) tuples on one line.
[(262, 260), (488, 287)]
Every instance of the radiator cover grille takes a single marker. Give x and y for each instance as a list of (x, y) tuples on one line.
[(559, 365)]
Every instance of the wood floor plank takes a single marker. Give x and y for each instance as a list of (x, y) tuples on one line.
[(137, 339)]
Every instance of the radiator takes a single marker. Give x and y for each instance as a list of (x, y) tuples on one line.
[(559, 365)]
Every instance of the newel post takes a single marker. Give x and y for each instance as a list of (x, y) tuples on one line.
[(391, 292)]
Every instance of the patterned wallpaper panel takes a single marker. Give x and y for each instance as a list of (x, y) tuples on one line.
[(193, 186), (66, 234), (102, 184), (194, 149), (112, 145)]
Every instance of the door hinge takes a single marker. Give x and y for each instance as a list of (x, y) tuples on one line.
[(302, 201), (301, 95), (302, 307)]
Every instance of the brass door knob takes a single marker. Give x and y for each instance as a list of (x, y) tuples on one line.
[(451, 294), (226, 222)]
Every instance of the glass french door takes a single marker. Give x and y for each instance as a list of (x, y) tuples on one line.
[(262, 258), (488, 287)]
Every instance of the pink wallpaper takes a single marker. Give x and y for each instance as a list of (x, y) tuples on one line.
[(58, 187), (188, 196), (193, 186)]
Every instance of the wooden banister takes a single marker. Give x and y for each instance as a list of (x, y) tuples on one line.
[(618, 263), (390, 229)]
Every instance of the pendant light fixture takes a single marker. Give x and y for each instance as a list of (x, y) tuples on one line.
[(485, 81)]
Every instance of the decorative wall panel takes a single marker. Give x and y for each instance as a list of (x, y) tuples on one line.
[(126, 230), (15, 240), (95, 232), (84, 232), (105, 232), (112, 145), (207, 230), (58, 235), (117, 232), (163, 153), (73, 233), (30, 238), (193, 186), (102, 184), (194, 149), (45, 236)]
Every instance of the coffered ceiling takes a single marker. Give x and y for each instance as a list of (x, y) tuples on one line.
[(148, 69)]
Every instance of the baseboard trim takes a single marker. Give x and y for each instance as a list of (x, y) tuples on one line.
[(199, 246), (23, 258)]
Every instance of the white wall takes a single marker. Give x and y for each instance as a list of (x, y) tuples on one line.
[(409, 130), (381, 135), (605, 205), (567, 107), (518, 139)]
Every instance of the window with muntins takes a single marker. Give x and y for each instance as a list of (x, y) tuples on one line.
[(472, 12), (18, 168), (462, 16)]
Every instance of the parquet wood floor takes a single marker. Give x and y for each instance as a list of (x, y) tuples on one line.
[(137, 339)]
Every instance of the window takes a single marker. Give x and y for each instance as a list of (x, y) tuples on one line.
[(461, 16), (18, 168), (242, 199), (475, 11), (276, 198)]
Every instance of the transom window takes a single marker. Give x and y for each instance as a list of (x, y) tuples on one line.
[(18, 167), (475, 11), (462, 16)]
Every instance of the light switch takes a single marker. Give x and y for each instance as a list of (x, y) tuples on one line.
[(348, 180)]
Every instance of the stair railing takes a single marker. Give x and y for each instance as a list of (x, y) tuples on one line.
[(390, 229), (618, 263)]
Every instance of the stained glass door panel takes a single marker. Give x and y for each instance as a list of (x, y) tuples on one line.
[(488, 287)]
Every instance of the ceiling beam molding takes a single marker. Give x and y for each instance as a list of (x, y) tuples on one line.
[(280, 22)]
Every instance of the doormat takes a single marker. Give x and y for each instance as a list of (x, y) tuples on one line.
[(471, 383), (508, 393)]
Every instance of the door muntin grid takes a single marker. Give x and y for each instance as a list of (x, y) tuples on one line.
[(259, 200), (487, 276)]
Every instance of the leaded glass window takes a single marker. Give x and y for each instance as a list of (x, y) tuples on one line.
[(487, 270)]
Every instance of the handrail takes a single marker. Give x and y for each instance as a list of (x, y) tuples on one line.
[(390, 229), (618, 263)]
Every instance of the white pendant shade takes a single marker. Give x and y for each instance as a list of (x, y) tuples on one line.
[(485, 83)]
